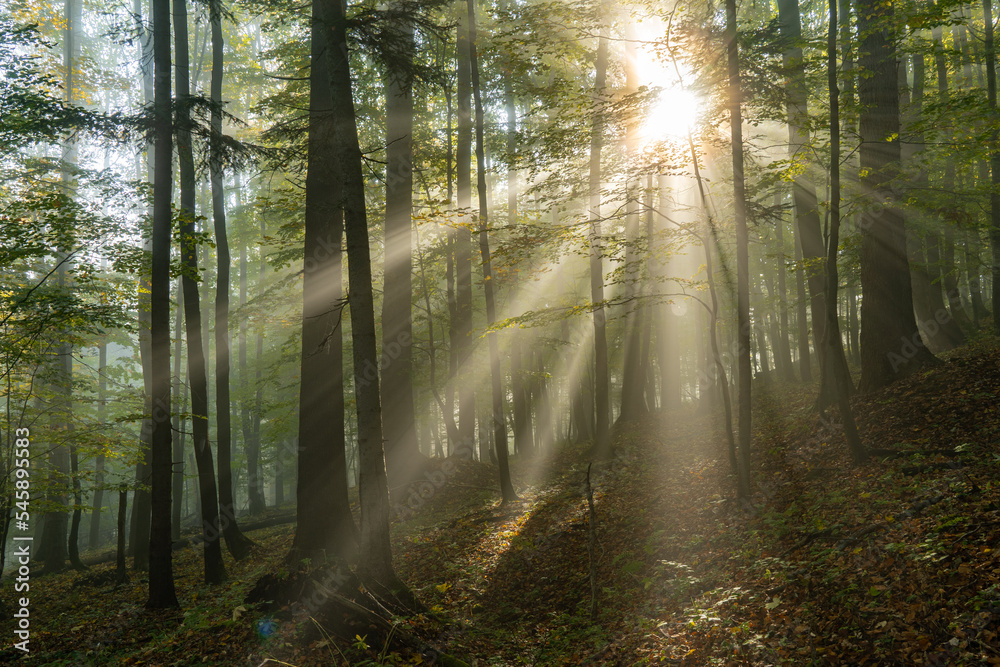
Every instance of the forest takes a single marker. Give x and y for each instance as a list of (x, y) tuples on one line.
[(499, 332)]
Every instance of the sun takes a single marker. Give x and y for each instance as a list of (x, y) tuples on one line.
[(672, 115)]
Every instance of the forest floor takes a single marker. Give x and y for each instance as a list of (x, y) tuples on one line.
[(893, 562)]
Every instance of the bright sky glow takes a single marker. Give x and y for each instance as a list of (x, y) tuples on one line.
[(673, 114)]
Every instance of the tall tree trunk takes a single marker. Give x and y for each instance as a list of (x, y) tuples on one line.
[(74, 36), (180, 389), (891, 347), (94, 538), (139, 537), (255, 491), (376, 551), (833, 343), (803, 190), (324, 521), (402, 452), (633, 405), (258, 404), (742, 256), (717, 376), (801, 319), (972, 270), (496, 372), (925, 275), (237, 543), (523, 441), (991, 98), (215, 570), (463, 242), (784, 347), (602, 377), (667, 324), (161, 580)]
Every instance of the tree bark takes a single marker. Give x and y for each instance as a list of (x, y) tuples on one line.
[(991, 98), (94, 538), (833, 343), (255, 490), (238, 544), (891, 347), (402, 452), (215, 571), (161, 580), (803, 190), (496, 372), (180, 389), (633, 405), (376, 551), (325, 525), (463, 242), (602, 377), (742, 256)]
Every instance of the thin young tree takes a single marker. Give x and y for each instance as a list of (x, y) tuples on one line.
[(489, 284), (237, 543), (215, 570), (463, 240), (833, 344), (742, 256), (602, 378)]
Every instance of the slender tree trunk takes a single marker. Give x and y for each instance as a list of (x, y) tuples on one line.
[(94, 538), (523, 441), (238, 544), (602, 377), (161, 579), (667, 324), (121, 572), (325, 524), (215, 570), (784, 347), (991, 98), (833, 344), (489, 284), (633, 405), (180, 389), (718, 374), (402, 452), (801, 319), (803, 191), (255, 491), (139, 537), (258, 405), (972, 269), (742, 256), (463, 242)]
